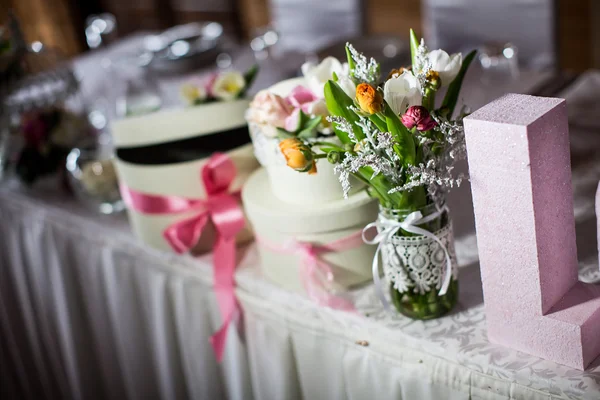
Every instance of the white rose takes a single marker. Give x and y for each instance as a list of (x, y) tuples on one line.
[(317, 75), (445, 65), (228, 85), (402, 91)]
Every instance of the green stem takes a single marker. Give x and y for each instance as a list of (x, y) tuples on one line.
[(429, 99), (328, 144)]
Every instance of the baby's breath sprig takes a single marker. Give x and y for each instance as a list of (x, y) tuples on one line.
[(422, 66), (363, 70)]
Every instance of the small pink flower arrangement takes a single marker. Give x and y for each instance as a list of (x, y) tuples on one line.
[(220, 86), (303, 112)]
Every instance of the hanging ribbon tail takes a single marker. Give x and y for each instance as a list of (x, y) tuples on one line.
[(314, 273), (383, 235), (224, 282), (377, 280), (183, 235), (219, 339)]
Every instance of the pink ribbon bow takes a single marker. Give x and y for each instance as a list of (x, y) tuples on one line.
[(316, 273), (220, 207)]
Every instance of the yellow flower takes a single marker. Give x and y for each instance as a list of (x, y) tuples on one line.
[(397, 72), (433, 77), (369, 99), (192, 93), (360, 146), (228, 85), (298, 156)]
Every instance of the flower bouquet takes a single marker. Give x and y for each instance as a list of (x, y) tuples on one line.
[(220, 86), (47, 138), (402, 144), (293, 112)]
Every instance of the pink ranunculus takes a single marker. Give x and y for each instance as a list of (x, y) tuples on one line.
[(291, 122), (300, 96), (418, 116), (269, 109)]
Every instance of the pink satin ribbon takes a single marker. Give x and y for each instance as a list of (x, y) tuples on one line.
[(316, 273), (220, 207)]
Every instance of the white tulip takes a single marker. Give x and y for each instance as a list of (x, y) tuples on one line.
[(445, 65), (347, 85), (317, 75), (228, 85), (402, 91)]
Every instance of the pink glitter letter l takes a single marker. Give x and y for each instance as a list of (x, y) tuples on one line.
[(519, 162)]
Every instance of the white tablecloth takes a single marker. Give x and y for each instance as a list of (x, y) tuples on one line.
[(86, 312)]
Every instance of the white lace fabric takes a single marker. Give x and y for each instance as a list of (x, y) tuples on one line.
[(418, 263)]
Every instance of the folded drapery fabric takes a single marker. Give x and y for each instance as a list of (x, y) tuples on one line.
[(88, 312)]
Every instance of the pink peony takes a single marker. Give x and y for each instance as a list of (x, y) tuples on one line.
[(269, 109), (418, 116)]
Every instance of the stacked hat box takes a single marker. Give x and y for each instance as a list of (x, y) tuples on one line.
[(163, 153), (285, 206)]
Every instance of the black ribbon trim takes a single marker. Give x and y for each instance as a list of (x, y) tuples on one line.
[(183, 150)]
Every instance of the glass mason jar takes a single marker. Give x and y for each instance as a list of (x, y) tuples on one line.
[(93, 178), (415, 264)]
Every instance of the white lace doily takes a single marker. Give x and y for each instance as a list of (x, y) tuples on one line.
[(418, 262), (266, 149)]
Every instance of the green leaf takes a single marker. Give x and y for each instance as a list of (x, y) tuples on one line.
[(335, 76), (326, 149), (451, 97), (414, 45), (405, 144), (338, 103), (249, 78), (379, 123), (306, 133), (313, 123), (250, 75), (283, 134), (302, 120), (351, 63)]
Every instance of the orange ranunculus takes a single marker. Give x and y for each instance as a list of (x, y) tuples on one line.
[(369, 99), (298, 156)]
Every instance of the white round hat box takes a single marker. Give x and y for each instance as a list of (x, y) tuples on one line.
[(276, 223), (163, 153), (289, 185)]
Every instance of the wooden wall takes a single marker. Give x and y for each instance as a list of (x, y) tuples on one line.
[(49, 21), (578, 34), (58, 22), (393, 16)]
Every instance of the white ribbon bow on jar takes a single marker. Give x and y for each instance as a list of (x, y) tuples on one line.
[(388, 228)]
